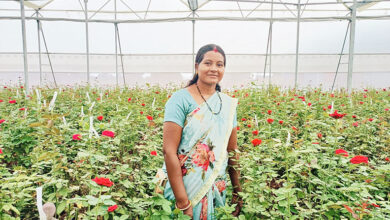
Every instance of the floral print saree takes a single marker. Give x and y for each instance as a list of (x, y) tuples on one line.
[(204, 141)]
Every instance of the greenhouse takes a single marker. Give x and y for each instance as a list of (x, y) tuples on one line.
[(85, 89)]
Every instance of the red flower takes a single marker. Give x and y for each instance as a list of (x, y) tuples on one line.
[(353, 116), (1, 151), (280, 122), (315, 143), (387, 159), (21, 109), (150, 118), (1, 100), (375, 205), (157, 92), (370, 119), (112, 208), (337, 115), (319, 135), (359, 159), (12, 101), (129, 99), (355, 124), (143, 104), (269, 112), (386, 109), (153, 153), (100, 117), (294, 128), (309, 104), (270, 121), (255, 132), (103, 181), (361, 103), (108, 134), (141, 112), (76, 137), (324, 108), (238, 128), (1, 121), (368, 181), (329, 106), (243, 119), (341, 152), (256, 142)]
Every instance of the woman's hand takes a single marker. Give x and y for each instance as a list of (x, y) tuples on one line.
[(236, 199), (188, 212)]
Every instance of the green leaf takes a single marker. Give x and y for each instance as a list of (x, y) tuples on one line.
[(61, 207)]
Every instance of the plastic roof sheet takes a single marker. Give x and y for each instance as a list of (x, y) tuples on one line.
[(178, 10)]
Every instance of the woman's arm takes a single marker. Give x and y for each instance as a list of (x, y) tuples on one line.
[(171, 140), (234, 172)]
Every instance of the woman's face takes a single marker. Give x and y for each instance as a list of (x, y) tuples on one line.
[(211, 68)]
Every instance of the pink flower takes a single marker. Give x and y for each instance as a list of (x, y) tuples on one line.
[(12, 101), (221, 185), (112, 208), (1, 100), (1, 121), (359, 159), (108, 134), (76, 137), (355, 124), (100, 117), (21, 109), (203, 156), (386, 109)]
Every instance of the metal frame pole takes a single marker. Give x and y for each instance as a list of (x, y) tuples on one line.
[(351, 47), (39, 50), (266, 52), (297, 45), (26, 82), (341, 54), (87, 36), (116, 47), (193, 43), (270, 44)]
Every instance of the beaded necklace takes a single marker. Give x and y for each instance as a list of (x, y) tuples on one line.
[(220, 107)]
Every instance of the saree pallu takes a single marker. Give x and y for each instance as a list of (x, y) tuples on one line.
[(204, 141)]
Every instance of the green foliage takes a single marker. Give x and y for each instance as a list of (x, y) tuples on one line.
[(293, 174)]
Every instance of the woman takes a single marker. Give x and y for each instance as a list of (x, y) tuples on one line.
[(199, 131)]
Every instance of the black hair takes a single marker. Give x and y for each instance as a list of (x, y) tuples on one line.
[(199, 58)]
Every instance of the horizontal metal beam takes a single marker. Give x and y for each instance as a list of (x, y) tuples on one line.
[(295, 4), (288, 19), (190, 54)]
